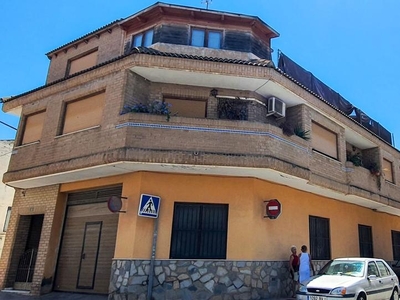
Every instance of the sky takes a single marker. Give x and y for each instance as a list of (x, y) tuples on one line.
[(353, 46)]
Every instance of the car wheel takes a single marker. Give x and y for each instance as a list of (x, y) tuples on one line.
[(362, 297), (395, 295)]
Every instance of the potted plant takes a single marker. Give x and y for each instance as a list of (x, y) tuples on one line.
[(355, 158), (157, 107), (300, 132)]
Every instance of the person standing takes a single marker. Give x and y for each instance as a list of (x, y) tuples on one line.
[(294, 268), (306, 265)]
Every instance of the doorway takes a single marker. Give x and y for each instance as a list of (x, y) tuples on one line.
[(26, 249)]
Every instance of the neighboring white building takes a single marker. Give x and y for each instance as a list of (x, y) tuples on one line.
[(6, 192)]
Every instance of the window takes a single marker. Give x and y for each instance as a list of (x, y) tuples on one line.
[(387, 170), (199, 231), (143, 39), (187, 108), (7, 219), (372, 269), (82, 62), (365, 241), (83, 114), (206, 38), (396, 244), (383, 270), (33, 128), (320, 244), (324, 140)]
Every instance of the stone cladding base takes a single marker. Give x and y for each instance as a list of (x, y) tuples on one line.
[(201, 280)]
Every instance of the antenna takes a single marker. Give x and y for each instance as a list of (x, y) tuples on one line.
[(206, 2)]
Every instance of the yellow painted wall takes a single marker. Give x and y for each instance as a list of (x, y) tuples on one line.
[(250, 236)]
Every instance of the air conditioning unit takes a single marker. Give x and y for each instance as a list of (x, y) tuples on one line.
[(276, 107)]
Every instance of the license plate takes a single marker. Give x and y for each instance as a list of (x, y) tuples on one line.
[(316, 298)]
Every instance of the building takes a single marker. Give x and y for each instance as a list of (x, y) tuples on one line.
[(240, 134), (6, 192)]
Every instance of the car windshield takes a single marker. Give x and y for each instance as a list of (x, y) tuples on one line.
[(344, 267)]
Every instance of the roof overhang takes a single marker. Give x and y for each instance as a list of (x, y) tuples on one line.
[(271, 175), (159, 9)]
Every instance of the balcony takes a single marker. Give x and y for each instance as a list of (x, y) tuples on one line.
[(255, 147)]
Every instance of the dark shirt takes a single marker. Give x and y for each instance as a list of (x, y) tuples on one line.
[(295, 262)]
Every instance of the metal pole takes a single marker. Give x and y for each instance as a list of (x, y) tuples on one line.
[(153, 256)]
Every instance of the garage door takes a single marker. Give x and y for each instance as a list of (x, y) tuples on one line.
[(88, 243)]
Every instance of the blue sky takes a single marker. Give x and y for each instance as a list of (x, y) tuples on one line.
[(352, 46)]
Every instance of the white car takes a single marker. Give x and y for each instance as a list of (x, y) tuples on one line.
[(352, 278)]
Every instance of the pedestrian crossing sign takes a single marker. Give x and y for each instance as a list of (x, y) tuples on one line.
[(149, 206)]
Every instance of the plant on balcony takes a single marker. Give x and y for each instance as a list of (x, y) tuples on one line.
[(157, 107), (287, 128), (232, 109), (355, 158), (300, 132), (375, 170)]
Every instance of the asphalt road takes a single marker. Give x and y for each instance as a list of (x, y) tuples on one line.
[(51, 296)]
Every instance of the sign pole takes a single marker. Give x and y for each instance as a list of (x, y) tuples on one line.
[(153, 256)]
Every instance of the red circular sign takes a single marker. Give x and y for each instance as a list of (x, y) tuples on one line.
[(114, 204), (273, 208)]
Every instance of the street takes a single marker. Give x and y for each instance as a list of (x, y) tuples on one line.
[(51, 296)]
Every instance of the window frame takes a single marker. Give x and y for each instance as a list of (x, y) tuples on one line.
[(365, 241), (143, 35), (375, 267), (61, 131), (172, 99), (321, 151), (200, 224), (25, 123), (320, 242), (396, 246), (206, 40), (75, 58), (382, 268), (390, 172)]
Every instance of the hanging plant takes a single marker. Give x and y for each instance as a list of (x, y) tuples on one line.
[(375, 170)]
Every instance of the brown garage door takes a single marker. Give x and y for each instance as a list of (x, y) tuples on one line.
[(88, 244)]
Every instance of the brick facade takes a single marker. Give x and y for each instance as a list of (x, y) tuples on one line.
[(243, 154), (27, 203)]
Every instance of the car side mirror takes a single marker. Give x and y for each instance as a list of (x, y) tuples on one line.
[(372, 277)]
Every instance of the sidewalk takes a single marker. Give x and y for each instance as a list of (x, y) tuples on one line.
[(62, 296), (51, 296)]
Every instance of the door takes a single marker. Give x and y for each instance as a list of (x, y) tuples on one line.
[(87, 249), (386, 282), (89, 255), (27, 260), (373, 287)]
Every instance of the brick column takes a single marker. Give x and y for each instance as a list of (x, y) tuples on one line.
[(35, 201)]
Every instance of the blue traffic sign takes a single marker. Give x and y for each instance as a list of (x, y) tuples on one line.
[(149, 206)]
